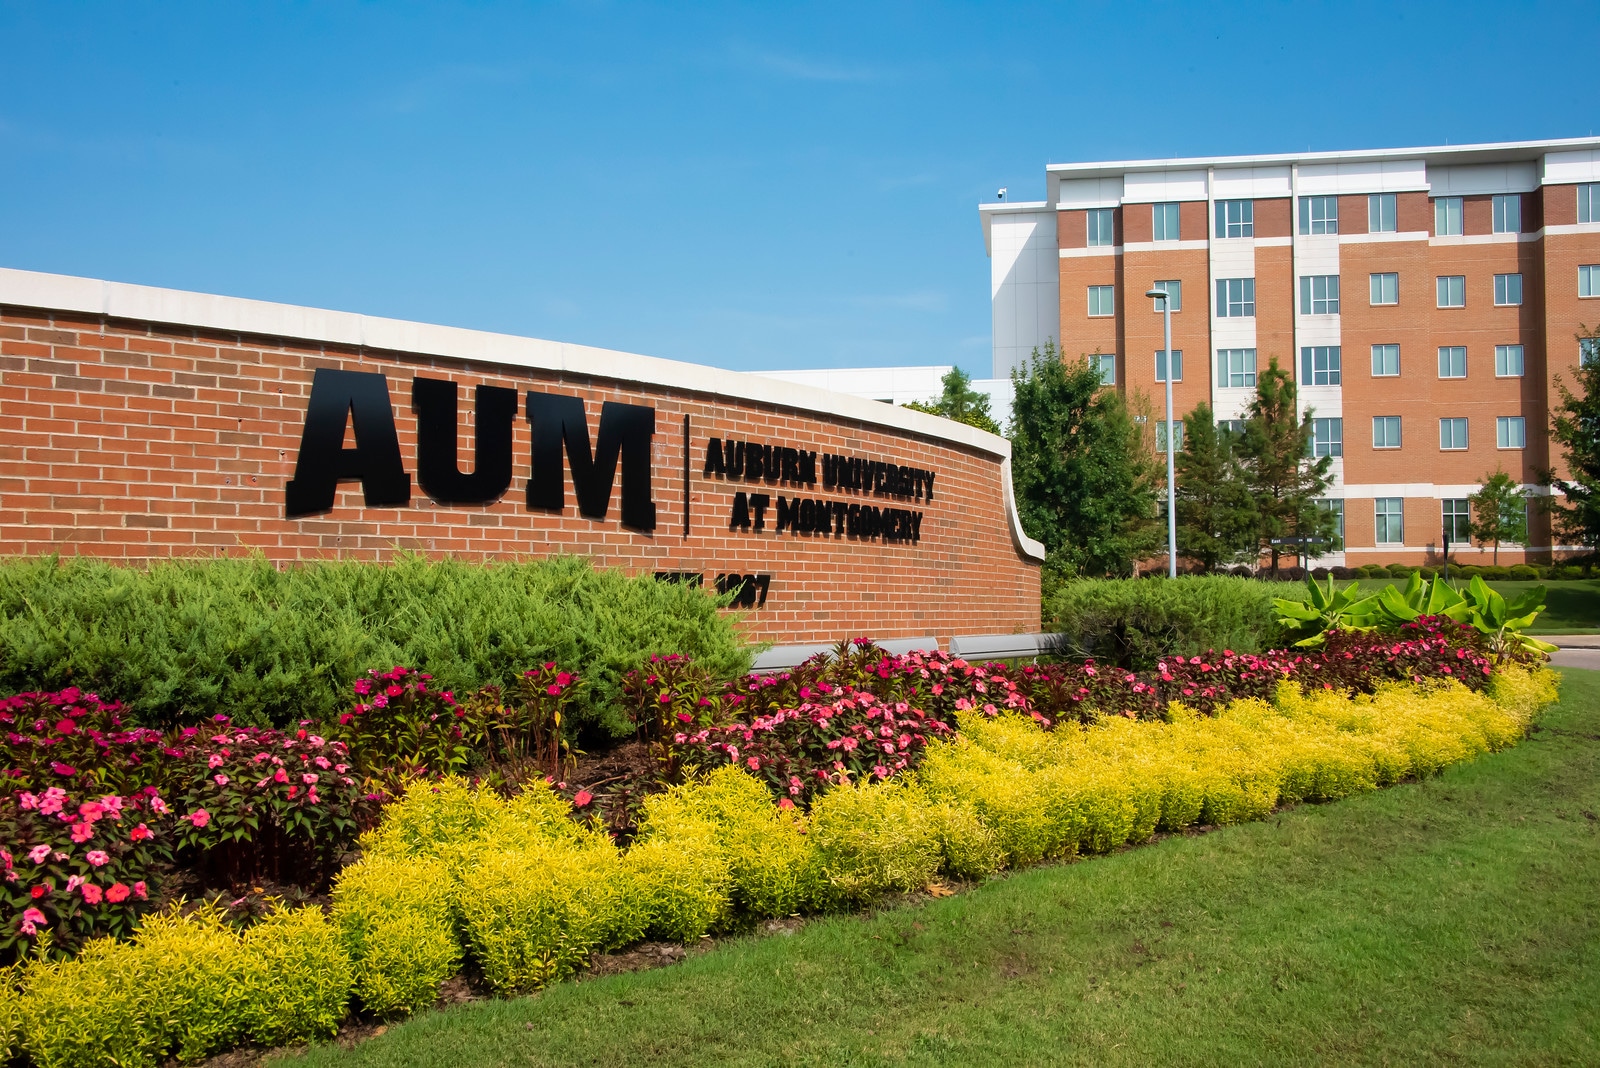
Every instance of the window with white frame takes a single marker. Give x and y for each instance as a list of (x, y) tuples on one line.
[(1327, 437), (1174, 291), (1508, 361), (1457, 518), (1589, 202), (1381, 215), (1452, 433), (1320, 365), (1508, 213), (1236, 297), (1386, 432), (1589, 280), (1336, 506), (1447, 216), (1385, 361), (1102, 227), (1236, 367), (1319, 294), (1106, 364), (1164, 222), (1231, 426), (1319, 215), (1386, 288), (1452, 361), (1507, 289), (1102, 300), (1177, 365), (1588, 351), (1510, 432), (1391, 520), (1452, 290), (1236, 218), (1161, 434)]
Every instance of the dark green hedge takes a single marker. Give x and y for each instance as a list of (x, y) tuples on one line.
[(184, 640), (1136, 622)]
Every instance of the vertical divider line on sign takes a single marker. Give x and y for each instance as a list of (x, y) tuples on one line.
[(685, 477)]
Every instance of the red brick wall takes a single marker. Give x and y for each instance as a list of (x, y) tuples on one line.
[(136, 442)]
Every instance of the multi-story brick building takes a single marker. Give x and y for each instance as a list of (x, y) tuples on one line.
[(1426, 299)]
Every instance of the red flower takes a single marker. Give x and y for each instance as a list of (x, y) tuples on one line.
[(39, 891), (117, 892), (582, 798)]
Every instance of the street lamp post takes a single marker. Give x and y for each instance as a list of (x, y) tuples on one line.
[(1172, 485)]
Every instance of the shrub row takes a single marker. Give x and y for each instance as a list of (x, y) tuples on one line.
[(1514, 572), (1134, 624), (182, 641)]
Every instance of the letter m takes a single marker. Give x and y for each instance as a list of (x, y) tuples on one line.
[(626, 430)]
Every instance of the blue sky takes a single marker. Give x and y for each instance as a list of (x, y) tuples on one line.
[(753, 186)]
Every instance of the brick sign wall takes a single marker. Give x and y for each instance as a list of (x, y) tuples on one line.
[(145, 424)]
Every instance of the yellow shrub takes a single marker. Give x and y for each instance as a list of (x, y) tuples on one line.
[(201, 968), (394, 920), (1524, 692), (535, 914), (871, 839), (683, 883), (1004, 795), (10, 1014), (298, 978), (97, 1010), (968, 848)]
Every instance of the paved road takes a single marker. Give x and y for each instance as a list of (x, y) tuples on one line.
[(1578, 658)]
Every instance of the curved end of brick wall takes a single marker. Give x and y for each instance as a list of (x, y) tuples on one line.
[(143, 424)]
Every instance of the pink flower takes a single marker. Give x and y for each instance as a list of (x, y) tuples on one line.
[(73, 882), (97, 857), (91, 893), (199, 817), (112, 804), (311, 795), (32, 916), (754, 763), (308, 778), (158, 806), (139, 890), (220, 780), (38, 853), (91, 810), (215, 761), (280, 776), (27, 801), (82, 832), (582, 798), (117, 892)]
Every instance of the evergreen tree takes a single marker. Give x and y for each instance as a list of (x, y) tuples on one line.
[(1084, 487), (1575, 426), (1283, 479), (1216, 514), (1499, 512), (960, 402)]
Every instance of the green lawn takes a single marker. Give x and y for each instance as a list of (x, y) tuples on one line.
[(1451, 921)]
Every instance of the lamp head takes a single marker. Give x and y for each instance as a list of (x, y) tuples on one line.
[(1157, 294)]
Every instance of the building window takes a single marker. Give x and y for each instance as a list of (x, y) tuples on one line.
[(1391, 520), (1381, 215), (1452, 290), (1510, 432), (1327, 437), (1177, 365), (1161, 434), (1106, 364), (1589, 202), (1588, 351), (1236, 296), (1236, 367), (1102, 300), (1336, 506), (1589, 280), (1457, 519), (1164, 222), (1319, 294), (1174, 291), (1508, 361), (1386, 432), (1386, 289), (1102, 229), (1319, 215), (1452, 434), (1447, 216), (1452, 361), (1236, 218), (1319, 365), (1507, 289), (1508, 214), (1385, 361)]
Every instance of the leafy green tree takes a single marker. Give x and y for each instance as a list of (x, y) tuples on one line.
[(1499, 512), (1284, 480), (1084, 486), (1575, 426), (1216, 513), (960, 402)]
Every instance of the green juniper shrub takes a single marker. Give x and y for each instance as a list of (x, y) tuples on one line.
[(1135, 623), (183, 640), (1524, 573)]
